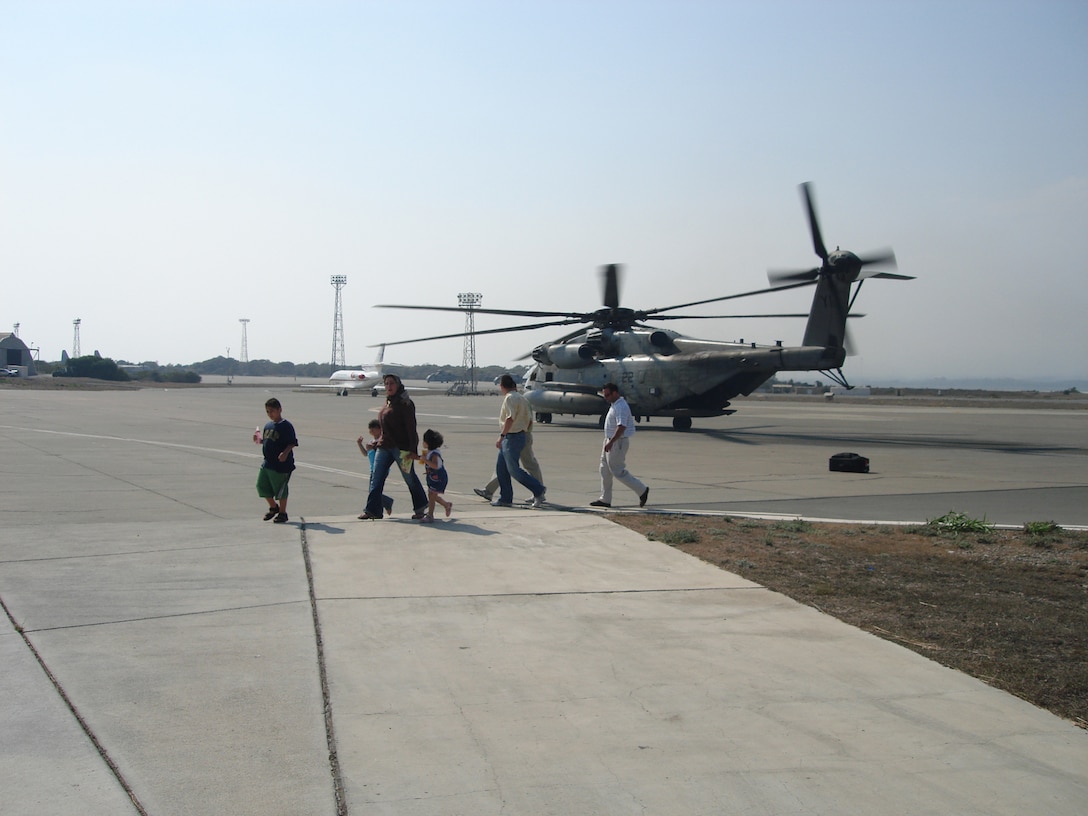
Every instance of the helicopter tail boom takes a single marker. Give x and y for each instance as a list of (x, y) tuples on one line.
[(826, 325)]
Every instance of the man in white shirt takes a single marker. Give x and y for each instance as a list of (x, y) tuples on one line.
[(619, 427)]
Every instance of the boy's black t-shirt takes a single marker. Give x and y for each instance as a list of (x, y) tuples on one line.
[(277, 436)]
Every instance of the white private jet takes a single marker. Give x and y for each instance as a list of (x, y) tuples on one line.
[(350, 379)]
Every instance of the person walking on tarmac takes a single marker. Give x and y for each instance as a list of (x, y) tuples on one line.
[(515, 417), (619, 427), (398, 447)]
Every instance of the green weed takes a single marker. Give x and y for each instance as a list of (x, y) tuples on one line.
[(954, 522), (674, 537), (1040, 528)]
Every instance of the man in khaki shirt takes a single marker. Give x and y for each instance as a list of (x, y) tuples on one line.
[(528, 461), (515, 418)]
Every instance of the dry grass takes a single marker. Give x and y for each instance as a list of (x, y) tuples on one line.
[(1007, 607)]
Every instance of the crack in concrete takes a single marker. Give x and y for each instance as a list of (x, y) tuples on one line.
[(326, 697), (98, 746)]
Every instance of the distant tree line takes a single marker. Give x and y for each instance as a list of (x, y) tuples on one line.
[(104, 368), (96, 367), (228, 366), (93, 366)]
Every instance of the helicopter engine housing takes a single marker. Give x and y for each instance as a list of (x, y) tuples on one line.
[(565, 355)]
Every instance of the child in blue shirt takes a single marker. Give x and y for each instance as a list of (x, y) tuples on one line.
[(278, 441), (368, 449)]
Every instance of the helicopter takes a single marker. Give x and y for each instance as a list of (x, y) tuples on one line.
[(663, 373)]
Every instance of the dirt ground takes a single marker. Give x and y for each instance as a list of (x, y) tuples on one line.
[(1009, 607)]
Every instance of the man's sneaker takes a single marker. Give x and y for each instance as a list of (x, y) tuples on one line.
[(642, 499), (281, 518), (537, 502), (387, 503), (483, 494), (271, 514), (501, 503), (600, 503)]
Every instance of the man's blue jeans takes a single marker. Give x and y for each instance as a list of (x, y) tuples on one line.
[(384, 459), (509, 464)]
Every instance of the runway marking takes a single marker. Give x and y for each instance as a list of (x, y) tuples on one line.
[(454, 416), (307, 465)]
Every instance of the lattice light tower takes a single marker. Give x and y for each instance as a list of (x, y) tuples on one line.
[(244, 354), (75, 338), (338, 361), (470, 301)]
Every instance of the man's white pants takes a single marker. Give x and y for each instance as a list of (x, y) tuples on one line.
[(614, 465)]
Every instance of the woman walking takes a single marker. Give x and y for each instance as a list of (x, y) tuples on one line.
[(398, 445)]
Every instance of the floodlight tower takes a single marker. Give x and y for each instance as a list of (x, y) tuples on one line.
[(75, 338), (244, 354), (338, 361), (470, 301)]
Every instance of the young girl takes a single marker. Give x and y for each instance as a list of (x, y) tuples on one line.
[(437, 478)]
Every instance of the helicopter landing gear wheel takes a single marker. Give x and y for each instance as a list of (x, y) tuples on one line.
[(681, 423)]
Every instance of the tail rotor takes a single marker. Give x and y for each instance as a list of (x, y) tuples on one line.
[(840, 263), (834, 279)]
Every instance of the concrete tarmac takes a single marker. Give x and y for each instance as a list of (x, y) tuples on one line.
[(168, 653)]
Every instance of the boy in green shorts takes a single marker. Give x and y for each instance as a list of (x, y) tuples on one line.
[(277, 440)]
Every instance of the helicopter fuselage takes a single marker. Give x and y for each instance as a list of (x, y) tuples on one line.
[(660, 372), (663, 373)]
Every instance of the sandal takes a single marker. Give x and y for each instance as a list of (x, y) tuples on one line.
[(271, 514)]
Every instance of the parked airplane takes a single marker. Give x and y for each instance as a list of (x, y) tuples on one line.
[(350, 379)]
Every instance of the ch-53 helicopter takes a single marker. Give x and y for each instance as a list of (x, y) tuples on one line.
[(665, 374)]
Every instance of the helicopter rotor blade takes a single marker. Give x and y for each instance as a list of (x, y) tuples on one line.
[(610, 275), (736, 316), (654, 313), (885, 256), (889, 276), (482, 331), (779, 277), (813, 222), (512, 312), (849, 344), (724, 317)]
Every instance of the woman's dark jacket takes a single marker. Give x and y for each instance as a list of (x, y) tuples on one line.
[(398, 418)]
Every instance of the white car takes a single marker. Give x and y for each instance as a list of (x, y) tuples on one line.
[(9, 372)]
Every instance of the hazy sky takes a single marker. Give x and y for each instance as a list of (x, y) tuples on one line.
[(167, 168)]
